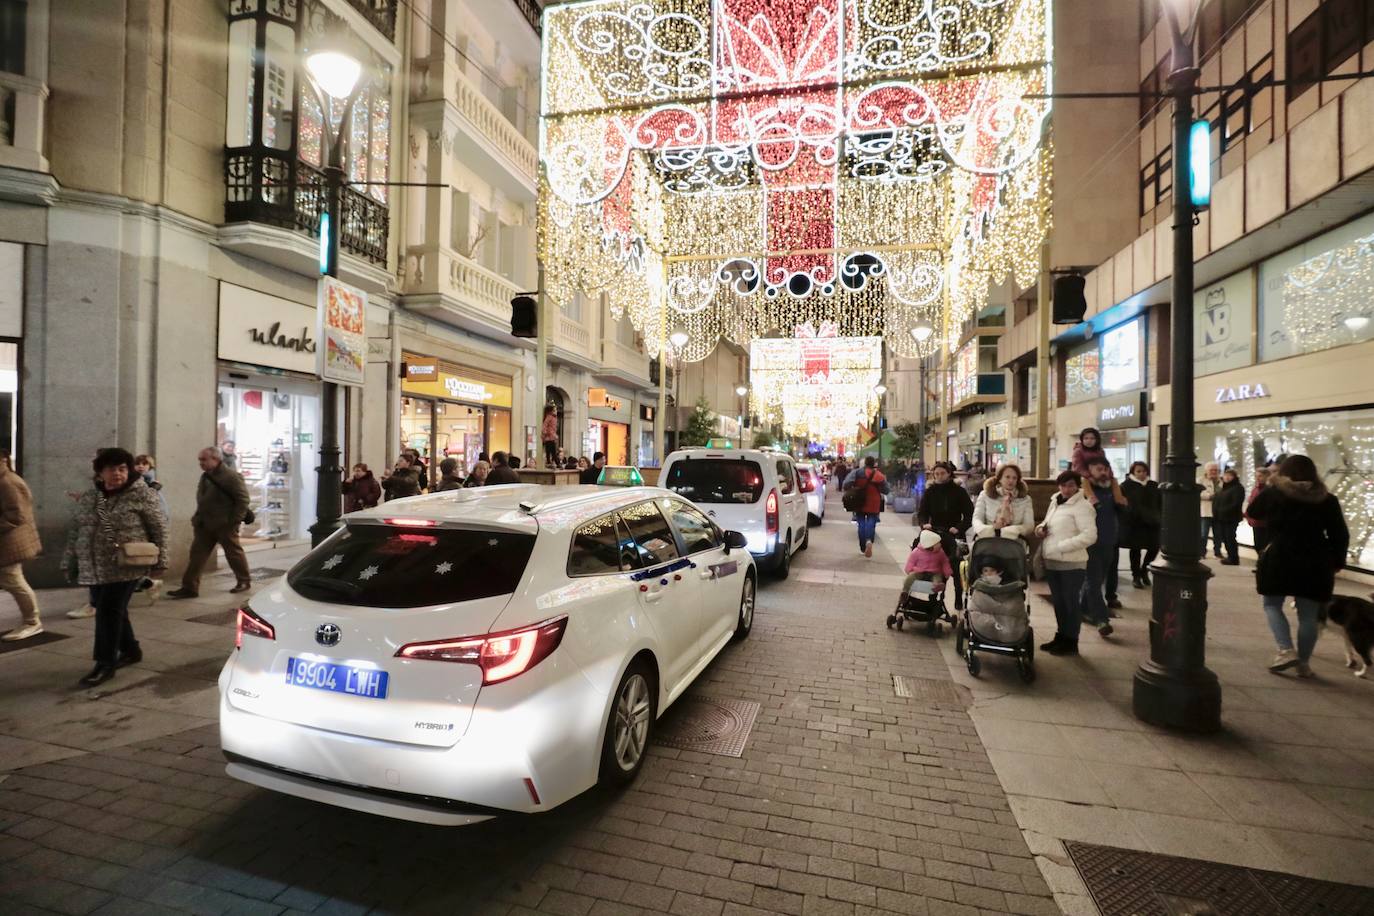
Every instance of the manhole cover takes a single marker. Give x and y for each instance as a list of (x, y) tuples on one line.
[(709, 725), (1124, 882)]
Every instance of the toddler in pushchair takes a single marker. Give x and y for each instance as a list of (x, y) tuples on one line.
[(996, 616), (923, 593)]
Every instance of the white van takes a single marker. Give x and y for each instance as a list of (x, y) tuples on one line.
[(753, 491)]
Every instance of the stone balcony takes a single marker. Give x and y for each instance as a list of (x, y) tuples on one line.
[(449, 287), (624, 364), (23, 118)]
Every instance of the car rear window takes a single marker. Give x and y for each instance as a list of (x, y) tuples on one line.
[(388, 566), (727, 480)]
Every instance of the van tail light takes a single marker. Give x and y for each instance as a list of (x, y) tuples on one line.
[(250, 624), (770, 510), (411, 522), (501, 656), (808, 483)]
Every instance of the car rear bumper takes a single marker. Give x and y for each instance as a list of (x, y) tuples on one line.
[(546, 731)]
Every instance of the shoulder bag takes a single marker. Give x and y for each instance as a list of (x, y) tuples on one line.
[(130, 554), (853, 500), (248, 517)]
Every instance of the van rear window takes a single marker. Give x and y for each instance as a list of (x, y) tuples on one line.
[(727, 480), (388, 566)]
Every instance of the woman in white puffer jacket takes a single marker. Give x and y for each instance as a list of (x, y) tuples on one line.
[(1069, 529), (1003, 507)]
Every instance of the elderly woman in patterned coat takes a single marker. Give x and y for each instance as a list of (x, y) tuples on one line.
[(119, 509)]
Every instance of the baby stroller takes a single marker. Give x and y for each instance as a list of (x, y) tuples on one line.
[(996, 617), (922, 603)]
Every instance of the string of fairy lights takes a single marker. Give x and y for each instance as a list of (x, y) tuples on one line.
[(738, 169)]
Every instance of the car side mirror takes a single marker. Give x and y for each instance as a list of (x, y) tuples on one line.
[(735, 539)]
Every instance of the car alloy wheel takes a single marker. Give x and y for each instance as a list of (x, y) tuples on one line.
[(784, 566), (630, 726), (746, 609)]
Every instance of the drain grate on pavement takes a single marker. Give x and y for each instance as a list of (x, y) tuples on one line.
[(931, 690), (1124, 882), (709, 725)]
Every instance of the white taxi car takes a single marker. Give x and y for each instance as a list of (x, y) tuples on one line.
[(813, 485), (451, 657)]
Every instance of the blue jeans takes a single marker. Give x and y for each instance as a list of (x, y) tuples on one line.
[(1309, 610), (1209, 524), (1092, 601), (868, 527), (1066, 587)]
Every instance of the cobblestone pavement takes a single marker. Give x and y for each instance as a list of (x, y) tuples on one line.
[(848, 800)]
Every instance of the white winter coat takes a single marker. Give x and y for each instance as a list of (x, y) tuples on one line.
[(1071, 529), (990, 501)]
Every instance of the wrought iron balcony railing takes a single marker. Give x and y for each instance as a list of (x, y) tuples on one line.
[(266, 186), (531, 10), (381, 13)]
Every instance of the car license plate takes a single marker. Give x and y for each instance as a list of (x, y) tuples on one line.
[(360, 682)]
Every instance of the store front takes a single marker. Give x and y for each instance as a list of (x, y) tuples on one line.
[(608, 425), (268, 408), (999, 449), (1124, 423), (11, 329), (450, 411), (648, 449)]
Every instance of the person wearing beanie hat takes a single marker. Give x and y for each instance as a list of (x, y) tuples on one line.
[(928, 562)]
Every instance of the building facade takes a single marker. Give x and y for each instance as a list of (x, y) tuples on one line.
[(1284, 303)]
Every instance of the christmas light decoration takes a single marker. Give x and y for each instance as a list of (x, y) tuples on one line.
[(738, 168), (815, 385)]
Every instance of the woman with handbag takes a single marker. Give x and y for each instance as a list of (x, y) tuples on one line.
[(117, 539)]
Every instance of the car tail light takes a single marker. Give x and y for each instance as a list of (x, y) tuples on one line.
[(250, 624), (411, 522), (770, 510), (501, 656), (808, 483)]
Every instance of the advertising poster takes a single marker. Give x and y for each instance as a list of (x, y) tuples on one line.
[(341, 354)]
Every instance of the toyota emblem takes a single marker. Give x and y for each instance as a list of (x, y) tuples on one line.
[(327, 634)]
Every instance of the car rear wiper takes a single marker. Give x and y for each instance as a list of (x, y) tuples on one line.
[(338, 586)]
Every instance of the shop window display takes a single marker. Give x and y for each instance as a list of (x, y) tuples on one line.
[(1341, 444), (1319, 295), (273, 434)]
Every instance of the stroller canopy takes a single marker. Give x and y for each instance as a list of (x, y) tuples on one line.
[(1009, 554)]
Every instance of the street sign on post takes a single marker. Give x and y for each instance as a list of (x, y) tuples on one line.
[(341, 316)]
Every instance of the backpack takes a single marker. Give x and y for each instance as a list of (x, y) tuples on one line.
[(853, 500)]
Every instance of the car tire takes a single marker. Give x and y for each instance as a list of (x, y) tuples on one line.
[(812, 519), (748, 596), (626, 744), (784, 564), (806, 539)]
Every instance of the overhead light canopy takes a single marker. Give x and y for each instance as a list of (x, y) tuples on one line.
[(336, 71)]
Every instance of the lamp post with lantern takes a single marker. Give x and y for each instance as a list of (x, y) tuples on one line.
[(1174, 687), (333, 73), (740, 391)]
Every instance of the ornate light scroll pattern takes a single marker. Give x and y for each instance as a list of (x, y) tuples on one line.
[(737, 167), (815, 384)]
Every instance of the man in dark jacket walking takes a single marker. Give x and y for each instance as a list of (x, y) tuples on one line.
[(221, 505), (1228, 507), (501, 471)]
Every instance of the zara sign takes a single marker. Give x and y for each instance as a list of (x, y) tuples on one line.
[(1228, 393)]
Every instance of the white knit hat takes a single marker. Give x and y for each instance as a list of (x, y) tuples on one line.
[(930, 540)]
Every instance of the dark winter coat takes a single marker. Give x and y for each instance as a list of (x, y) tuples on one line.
[(221, 499), (1081, 456), (872, 483), (945, 506), (1140, 521), (449, 483), (1229, 504), (1308, 539), (361, 493), (402, 483), (502, 473)]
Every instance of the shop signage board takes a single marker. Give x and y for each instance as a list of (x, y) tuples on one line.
[(420, 369), (264, 330), (1244, 392), (1223, 323), (341, 315), (598, 398), (1126, 411), (453, 387)]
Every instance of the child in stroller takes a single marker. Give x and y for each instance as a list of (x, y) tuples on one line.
[(996, 614), (922, 599)]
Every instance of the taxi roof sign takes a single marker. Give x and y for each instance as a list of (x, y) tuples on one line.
[(620, 476)]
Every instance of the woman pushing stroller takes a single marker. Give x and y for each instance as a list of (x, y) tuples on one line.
[(947, 510)]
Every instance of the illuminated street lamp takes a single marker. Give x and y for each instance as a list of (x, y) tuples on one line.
[(741, 391), (333, 73), (922, 331), (678, 338)]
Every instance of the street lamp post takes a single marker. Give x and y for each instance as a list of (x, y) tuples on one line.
[(333, 74), (677, 339), (880, 390), (921, 333), (741, 391), (1174, 687)]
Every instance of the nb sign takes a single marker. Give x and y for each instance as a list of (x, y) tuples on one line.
[(1226, 394)]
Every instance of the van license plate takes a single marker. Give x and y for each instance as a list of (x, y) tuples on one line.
[(360, 682)]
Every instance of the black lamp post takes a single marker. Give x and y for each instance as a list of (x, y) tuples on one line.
[(1174, 688), (333, 74)]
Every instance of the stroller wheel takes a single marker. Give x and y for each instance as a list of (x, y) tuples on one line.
[(900, 621), (930, 628), (891, 619), (1026, 668), (974, 664), (959, 637)]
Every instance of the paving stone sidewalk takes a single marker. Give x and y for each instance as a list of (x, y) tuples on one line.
[(848, 799)]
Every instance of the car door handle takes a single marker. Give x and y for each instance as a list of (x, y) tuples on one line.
[(654, 596)]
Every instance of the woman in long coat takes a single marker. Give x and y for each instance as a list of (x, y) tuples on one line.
[(1140, 522), (1308, 540)]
